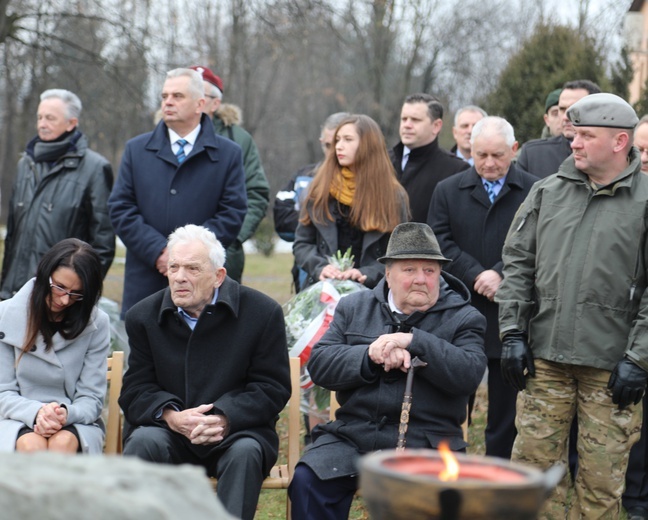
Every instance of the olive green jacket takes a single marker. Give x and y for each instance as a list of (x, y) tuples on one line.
[(575, 269), (226, 124)]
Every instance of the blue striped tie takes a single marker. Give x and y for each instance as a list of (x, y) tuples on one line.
[(490, 189), (180, 154)]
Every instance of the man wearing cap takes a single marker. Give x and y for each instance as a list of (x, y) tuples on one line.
[(181, 173), (464, 121), (574, 310), (552, 119), (226, 119), (416, 311), (543, 157), (470, 214)]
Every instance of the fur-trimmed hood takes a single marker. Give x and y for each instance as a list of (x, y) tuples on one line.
[(230, 114)]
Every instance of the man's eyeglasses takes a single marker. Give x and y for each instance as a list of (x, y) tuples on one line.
[(56, 289)]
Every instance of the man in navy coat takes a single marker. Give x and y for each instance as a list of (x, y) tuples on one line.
[(471, 229), (181, 173)]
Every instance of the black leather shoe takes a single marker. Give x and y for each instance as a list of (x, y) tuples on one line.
[(637, 513)]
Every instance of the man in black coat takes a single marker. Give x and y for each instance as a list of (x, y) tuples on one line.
[(418, 160), (416, 311), (543, 157), (471, 230), (208, 372)]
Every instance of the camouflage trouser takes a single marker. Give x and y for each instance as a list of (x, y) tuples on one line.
[(605, 435)]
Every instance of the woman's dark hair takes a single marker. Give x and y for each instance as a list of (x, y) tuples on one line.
[(84, 261)]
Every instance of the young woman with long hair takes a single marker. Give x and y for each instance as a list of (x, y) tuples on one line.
[(54, 344), (354, 201)]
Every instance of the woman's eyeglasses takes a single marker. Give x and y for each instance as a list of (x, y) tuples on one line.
[(56, 289)]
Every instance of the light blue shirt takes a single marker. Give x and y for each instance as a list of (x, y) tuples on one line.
[(497, 185), (190, 320), (470, 161), (190, 138), (406, 152)]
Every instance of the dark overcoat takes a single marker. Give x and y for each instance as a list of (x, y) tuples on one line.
[(448, 337), (543, 157), (154, 195), (426, 166), (317, 241), (471, 231), (236, 358)]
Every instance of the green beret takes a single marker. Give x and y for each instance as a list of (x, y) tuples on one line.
[(413, 240), (552, 99), (603, 109)]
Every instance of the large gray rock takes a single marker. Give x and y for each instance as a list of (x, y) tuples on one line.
[(47, 486)]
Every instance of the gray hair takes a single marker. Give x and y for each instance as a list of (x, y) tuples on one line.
[(332, 121), (642, 121), (191, 233), (196, 86), (469, 108), (70, 99), (214, 90), (494, 125)]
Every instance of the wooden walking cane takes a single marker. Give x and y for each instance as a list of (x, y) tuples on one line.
[(407, 402)]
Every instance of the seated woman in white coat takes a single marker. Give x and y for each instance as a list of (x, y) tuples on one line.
[(54, 343)]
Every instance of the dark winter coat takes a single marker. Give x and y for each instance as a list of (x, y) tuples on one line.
[(316, 242), (471, 231), (576, 269), (543, 157), (287, 203), (226, 124), (426, 166), (449, 337), (67, 199), (154, 195), (235, 358)]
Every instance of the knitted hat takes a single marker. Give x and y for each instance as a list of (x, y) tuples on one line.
[(413, 240), (552, 99)]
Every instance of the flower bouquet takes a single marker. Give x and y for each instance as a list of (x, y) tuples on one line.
[(308, 315)]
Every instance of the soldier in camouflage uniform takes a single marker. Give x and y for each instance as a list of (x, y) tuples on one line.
[(574, 310)]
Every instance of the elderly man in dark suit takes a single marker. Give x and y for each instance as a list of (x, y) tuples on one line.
[(180, 173), (207, 373), (471, 213), (416, 311)]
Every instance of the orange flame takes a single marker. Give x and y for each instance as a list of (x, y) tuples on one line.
[(451, 471)]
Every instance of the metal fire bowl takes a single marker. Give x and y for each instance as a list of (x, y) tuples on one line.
[(391, 494)]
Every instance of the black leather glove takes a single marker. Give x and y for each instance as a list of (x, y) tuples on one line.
[(628, 383), (516, 358)]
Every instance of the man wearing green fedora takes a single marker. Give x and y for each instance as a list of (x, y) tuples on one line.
[(417, 313)]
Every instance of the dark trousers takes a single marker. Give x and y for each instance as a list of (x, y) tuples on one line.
[(315, 499), (238, 467), (636, 492), (500, 424)]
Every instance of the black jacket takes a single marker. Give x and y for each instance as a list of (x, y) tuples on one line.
[(425, 167), (236, 358), (471, 232), (543, 157), (448, 336), (50, 202)]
